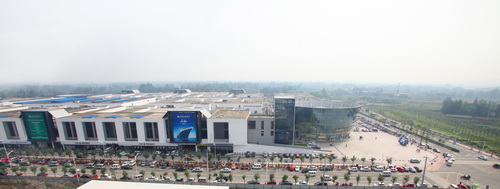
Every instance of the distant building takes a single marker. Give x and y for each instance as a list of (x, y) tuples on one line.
[(198, 121)]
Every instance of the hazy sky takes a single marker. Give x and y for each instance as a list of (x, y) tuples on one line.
[(409, 42)]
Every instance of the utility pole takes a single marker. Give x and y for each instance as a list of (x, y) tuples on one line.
[(425, 167)]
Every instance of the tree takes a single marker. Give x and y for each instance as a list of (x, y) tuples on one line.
[(145, 155), (358, 178), (175, 175), (54, 170), (307, 177), (113, 173), (335, 177), (210, 156), (271, 176), (163, 156), (153, 173), (72, 171), (406, 178), (272, 159), (198, 175), (172, 156), (394, 179), (23, 169), (415, 180), (83, 171), (330, 158), (311, 158), (165, 174), (142, 172), (369, 179), (347, 177), (363, 160), (103, 171), (199, 156), (187, 174), (373, 160), (256, 176), (14, 169), (281, 159), (154, 156), (295, 178), (219, 157), (344, 159), (284, 178), (125, 175), (93, 171), (353, 159), (244, 177), (33, 169), (230, 178), (321, 178), (43, 169), (380, 178), (389, 161), (228, 158), (64, 170)]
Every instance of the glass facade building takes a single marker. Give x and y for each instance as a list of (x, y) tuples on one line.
[(284, 116), (324, 121)]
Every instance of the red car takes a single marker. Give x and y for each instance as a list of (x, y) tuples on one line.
[(271, 182), (401, 169), (291, 168), (409, 185)]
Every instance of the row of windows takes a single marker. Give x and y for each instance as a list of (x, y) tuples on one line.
[(262, 133), (109, 128), (252, 125)]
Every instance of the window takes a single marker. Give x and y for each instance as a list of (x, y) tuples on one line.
[(261, 133), (251, 124), (272, 124), (69, 130), (272, 133), (89, 129), (261, 124), (221, 130), (151, 131), (109, 130), (11, 130), (130, 130)]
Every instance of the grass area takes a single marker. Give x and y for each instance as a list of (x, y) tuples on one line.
[(429, 116)]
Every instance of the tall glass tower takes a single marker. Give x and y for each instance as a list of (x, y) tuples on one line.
[(284, 119)]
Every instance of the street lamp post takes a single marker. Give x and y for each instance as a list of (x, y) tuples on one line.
[(135, 159), (425, 167)]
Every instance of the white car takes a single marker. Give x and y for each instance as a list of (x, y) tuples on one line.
[(392, 169), (353, 169), (123, 153), (483, 158), (152, 178), (378, 168), (327, 178), (225, 170), (365, 169), (197, 169), (302, 183)]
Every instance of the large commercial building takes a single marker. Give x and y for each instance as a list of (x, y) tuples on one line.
[(233, 121)]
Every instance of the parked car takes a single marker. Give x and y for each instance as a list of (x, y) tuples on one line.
[(302, 183), (42, 174), (197, 169), (180, 169), (226, 170), (253, 182), (325, 169), (321, 183), (418, 169), (353, 169), (414, 160), (365, 169), (286, 183), (271, 182), (485, 158)]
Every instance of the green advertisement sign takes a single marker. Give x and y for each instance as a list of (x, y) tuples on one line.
[(36, 125)]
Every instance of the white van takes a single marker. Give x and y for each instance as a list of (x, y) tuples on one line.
[(99, 166), (257, 166), (116, 166), (327, 178), (386, 173), (312, 173)]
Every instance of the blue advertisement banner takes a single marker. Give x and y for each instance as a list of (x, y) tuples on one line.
[(184, 127)]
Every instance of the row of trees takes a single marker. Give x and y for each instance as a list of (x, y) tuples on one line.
[(187, 174), (478, 108)]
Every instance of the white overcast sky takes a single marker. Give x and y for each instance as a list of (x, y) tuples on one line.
[(409, 42)]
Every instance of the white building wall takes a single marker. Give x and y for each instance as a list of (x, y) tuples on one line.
[(260, 149), (23, 137), (236, 128)]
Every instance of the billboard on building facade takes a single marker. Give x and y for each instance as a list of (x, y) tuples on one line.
[(184, 127), (37, 129)]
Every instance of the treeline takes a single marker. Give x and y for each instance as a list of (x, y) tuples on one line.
[(478, 108)]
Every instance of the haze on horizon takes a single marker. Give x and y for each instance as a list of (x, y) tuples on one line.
[(411, 42)]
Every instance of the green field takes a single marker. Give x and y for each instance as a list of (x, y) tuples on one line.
[(429, 116)]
